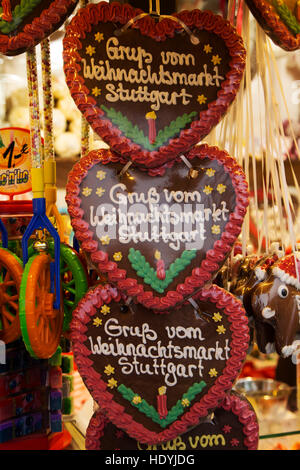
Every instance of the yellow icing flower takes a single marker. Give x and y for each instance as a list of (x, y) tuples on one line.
[(96, 91), (101, 175), (86, 191), (221, 329), (217, 317), (136, 400), (97, 322), (207, 189), (213, 373), (118, 256), (100, 191), (112, 383), (109, 370), (185, 402), (216, 59), (215, 229), (207, 48), (201, 99), (210, 172), (99, 37), (105, 240), (90, 50), (105, 309), (221, 188)]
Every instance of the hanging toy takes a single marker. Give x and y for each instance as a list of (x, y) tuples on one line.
[(276, 306)]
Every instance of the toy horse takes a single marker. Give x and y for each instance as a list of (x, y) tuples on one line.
[(275, 305)]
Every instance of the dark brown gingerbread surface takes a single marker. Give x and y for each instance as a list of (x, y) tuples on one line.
[(156, 375), (151, 89), (151, 231)]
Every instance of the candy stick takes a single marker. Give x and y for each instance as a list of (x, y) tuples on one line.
[(85, 128), (85, 137), (35, 134), (48, 100)]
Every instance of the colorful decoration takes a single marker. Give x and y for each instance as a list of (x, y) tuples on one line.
[(168, 370), (26, 24), (234, 427), (141, 94), (280, 20), (136, 217), (275, 303)]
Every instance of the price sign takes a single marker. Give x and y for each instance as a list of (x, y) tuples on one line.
[(15, 161)]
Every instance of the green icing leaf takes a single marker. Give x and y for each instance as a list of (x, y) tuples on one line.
[(149, 410), (144, 270), (137, 135), (287, 16), (19, 13)]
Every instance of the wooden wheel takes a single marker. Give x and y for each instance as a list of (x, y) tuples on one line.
[(41, 324), (11, 271)]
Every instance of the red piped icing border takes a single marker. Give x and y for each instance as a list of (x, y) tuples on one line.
[(83, 314), (201, 275), (233, 402), (166, 28), (271, 22), (38, 29)]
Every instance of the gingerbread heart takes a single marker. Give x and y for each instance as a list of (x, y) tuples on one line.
[(280, 19), (25, 23), (158, 235), (155, 376), (151, 89), (232, 426)]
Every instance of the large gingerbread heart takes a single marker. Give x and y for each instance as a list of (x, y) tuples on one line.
[(154, 89), (233, 426), (25, 23), (153, 375), (158, 236), (280, 19)]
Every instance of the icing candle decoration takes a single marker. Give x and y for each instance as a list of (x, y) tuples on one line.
[(160, 266), (151, 117), (162, 402), (125, 221), (153, 375), (25, 23), (151, 90), (276, 308), (280, 19), (233, 426)]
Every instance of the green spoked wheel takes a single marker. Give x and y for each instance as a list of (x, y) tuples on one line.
[(74, 280), (11, 270)]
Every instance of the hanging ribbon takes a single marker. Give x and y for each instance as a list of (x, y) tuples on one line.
[(193, 38)]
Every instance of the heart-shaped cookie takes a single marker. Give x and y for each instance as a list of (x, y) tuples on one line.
[(159, 236), (153, 89), (280, 19), (25, 23), (155, 376), (232, 426)]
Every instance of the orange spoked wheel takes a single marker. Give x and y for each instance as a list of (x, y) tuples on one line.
[(11, 271), (41, 324)]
